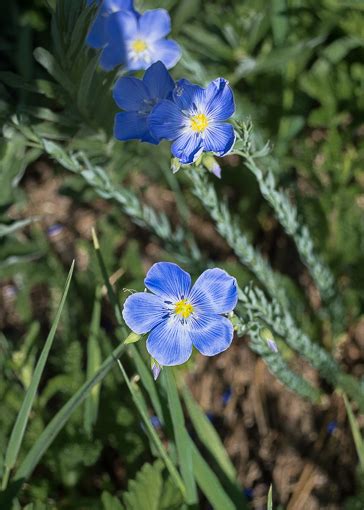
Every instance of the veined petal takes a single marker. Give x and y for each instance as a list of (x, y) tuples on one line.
[(166, 120), (143, 311), (219, 139), (219, 100), (169, 52), (169, 342), (154, 24), (168, 281), (187, 147), (129, 93), (158, 81), (132, 126), (216, 289), (211, 334), (189, 97)]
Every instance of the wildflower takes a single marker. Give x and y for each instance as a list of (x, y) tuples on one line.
[(267, 335), (99, 35), (138, 97), (177, 316), (195, 120), (138, 40)]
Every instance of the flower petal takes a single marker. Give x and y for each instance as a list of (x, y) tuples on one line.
[(96, 38), (166, 120), (217, 288), (158, 81), (127, 23), (188, 147), (219, 100), (189, 97), (168, 281), (129, 93), (219, 139), (169, 52), (132, 126), (154, 24), (211, 334), (143, 311), (169, 342)]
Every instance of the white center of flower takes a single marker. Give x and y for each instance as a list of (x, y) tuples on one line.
[(199, 122)]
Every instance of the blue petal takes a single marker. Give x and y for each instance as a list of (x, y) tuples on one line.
[(96, 38), (211, 334), (158, 81), (166, 120), (127, 26), (217, 288), (169, 343), (132, 126), (189, 97), (118, 5), (143, 311), (168, 281), (187, 147), (154, 24), (219, 139), (169, 52), (130, 93), (219, 100)]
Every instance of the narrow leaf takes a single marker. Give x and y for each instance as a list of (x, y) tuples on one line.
[(358, 439), (181, 436), (23, 416)]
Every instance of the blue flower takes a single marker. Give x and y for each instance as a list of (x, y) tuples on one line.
[(138, 97), (144, 39), (194, 120), (178, 317), (99, 34)]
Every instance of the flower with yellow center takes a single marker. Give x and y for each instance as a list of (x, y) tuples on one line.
[(199, 122), (139, 45), (183, 308)]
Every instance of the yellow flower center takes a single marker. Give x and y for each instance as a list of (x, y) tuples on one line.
[(139, 45), (199, 122), (183, 308)]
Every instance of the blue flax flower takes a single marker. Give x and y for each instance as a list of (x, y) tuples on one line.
[(194, 119), (99, 34), (144, 38), (138, 97), (178, 316)]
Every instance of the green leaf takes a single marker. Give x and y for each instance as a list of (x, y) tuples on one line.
[(150, 492), (141, 406), (270, 499), (93, 364), (46, 59), (16, 225), (23, 416), (55, 426), (208, 435), (209, 483), (358, 439), (181, 436), (110, 502)]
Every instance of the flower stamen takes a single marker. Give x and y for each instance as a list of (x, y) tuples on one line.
[(183, 308), (139, 46), (199, 122)]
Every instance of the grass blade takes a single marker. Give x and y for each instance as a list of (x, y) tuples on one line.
[(140, 405), (181, 436), (209, 482), (270, 499), (93, 364), (57, 423), (18, 431), (208, 435), (358, 439)]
